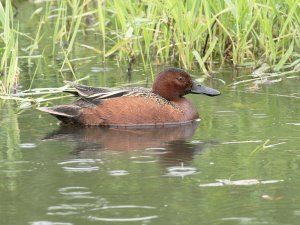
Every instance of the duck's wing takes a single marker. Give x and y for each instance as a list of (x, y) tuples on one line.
[(88, 98), (99, 93), (85, 91)]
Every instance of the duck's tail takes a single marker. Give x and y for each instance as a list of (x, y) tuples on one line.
[(68, 114)]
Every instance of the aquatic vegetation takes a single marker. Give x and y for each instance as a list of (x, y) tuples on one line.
[(242, 33), (9, 71), (188, 34)]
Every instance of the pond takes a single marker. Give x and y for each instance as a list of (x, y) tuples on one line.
[(239, 165)]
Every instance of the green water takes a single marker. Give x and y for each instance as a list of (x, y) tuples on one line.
[(238, 165)]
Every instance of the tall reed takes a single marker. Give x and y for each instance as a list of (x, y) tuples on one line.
[(187, 33), (9, 51), (240, 32)]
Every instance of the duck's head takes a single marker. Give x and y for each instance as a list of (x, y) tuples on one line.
[(173, 83)]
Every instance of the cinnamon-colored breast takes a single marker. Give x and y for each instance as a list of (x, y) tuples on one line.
[(137, 110)]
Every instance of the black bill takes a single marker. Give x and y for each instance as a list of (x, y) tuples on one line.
[(201, 89)]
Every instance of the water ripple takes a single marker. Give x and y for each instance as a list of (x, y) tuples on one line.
[(81, 168), (181, 171), (128, 207), (156, 151), (81, 165), (118, 172), (241, 142), (260, 115), (74, 208), (97, 210), (116, 210), (94, 218), (49, 223), (143, 159), (223, 182), (67, 213), (75, 192), (296, 124), (242, 220), (27, 145)]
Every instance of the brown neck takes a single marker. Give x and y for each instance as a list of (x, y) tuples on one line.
[(167, 91)]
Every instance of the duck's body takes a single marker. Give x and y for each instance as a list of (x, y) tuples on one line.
[(163, 105)]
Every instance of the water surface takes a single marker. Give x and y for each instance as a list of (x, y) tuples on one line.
[(238, 165)]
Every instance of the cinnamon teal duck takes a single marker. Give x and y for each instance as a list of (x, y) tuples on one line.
[(162, 105)]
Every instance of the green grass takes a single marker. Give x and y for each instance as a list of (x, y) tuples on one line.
[(9, 50), (244, 32), (189, 33)]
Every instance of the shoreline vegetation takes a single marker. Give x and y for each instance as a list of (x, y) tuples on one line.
[(261, 35)]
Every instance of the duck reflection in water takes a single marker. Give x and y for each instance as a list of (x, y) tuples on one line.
[(171, 144)]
